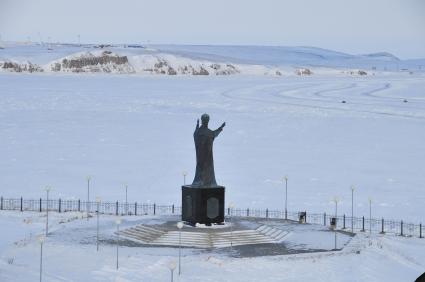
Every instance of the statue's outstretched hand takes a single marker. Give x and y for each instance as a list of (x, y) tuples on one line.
[(223, 125)]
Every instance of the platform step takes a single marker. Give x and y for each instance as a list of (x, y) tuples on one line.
[(264, 234)]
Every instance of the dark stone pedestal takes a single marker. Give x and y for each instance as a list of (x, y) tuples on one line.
[(202, 205)]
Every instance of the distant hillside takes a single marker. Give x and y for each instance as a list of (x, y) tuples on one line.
[(195, 60)]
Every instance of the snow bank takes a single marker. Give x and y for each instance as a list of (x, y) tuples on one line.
[(173, 65)]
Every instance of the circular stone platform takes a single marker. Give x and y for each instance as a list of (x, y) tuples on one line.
[(245, 236)]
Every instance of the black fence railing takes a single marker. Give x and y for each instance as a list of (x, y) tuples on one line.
[(348, 223), (112, 208), (343, 222)]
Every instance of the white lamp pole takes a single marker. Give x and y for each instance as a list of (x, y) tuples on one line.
[(98, 200), (126, 200), (286, 197), (47, 209), (184, 177), (172, 266), (41, 239), (370, 215), (352, 209), (118, 222), (336, 219), (88, 196), (180, 226), (231, 206)]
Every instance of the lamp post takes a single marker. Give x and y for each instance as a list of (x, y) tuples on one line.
[(231, 206), (118, 222), (172, 266), (126, 199), (370, 215), (184, 173), (88, 196), (286, 197), (98, 200), (41, 239), (180, 226), (336, 219), (352, 208), (47, 209)]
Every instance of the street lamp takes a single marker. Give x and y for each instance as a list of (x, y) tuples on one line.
[(98, 200), (88, 196), (286, 197), (352, 208), (370, 215), (172, 266), (184, 173), (336, 200), (47, 189), (180, 226), (126, 199), (118, 222), (41, 240), (231, 206)]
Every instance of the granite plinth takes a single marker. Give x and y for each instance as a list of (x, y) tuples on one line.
[(202, 205)]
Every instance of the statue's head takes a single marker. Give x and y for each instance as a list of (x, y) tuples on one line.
[(205, 118)]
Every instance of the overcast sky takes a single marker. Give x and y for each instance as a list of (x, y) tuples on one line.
[(357, 26)]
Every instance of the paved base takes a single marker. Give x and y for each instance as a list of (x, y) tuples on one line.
[(245, 237)]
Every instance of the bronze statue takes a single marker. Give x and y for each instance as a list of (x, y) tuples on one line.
[(204, 138)]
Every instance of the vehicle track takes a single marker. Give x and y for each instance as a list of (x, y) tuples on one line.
[(233, 94)]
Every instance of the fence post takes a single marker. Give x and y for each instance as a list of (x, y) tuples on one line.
[(135, 208), (343, 227), (420, 230), (79, 205), (154, 209), (172, 209), (363, 224), (60, 202), (401, 228), (116, 208), (305, 217), (267, 213), (382, 226), (228, 211), (324, 219), (40, 204), (1, 203), (247, 212), (21, 203)]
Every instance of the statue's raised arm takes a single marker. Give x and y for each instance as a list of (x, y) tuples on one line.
[(218, 130)]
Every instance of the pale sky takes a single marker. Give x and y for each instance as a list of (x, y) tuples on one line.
[(356, 27)]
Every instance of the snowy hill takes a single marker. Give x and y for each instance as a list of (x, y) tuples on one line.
[(194, 60), (382, 56)]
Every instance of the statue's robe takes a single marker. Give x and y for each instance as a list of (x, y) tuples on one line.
[(204, 138)]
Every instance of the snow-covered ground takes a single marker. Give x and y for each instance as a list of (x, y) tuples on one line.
[(70, 255), (57, 129)]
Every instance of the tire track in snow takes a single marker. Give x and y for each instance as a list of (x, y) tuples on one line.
[(381, 88), (320, 92), (385, 87), (233, 94)]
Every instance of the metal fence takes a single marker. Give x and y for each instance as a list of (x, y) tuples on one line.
[(355, 224), (112, 208), (347, 223)]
